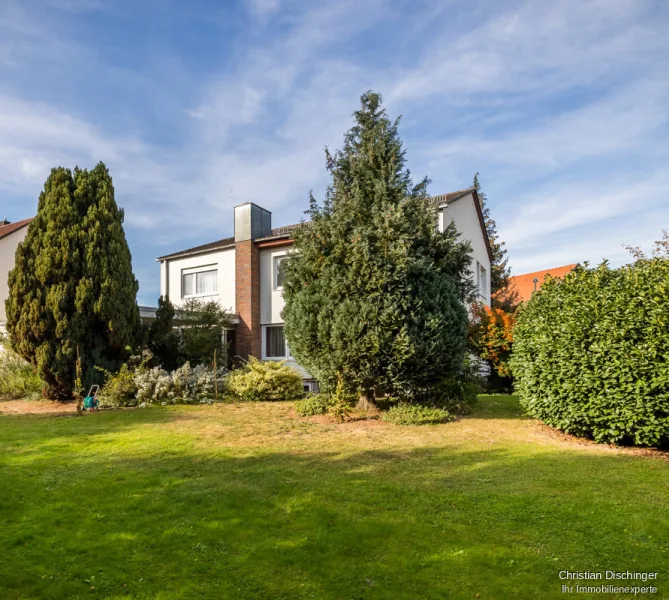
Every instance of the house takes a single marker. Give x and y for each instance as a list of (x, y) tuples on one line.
[(528, 283), (11, 235), (243, 273)]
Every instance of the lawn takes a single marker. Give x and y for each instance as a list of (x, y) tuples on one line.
[(251, 501)]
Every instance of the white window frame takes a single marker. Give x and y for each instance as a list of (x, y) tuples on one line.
[(276, 259), (286, 356), (483, 281), (195, 271)]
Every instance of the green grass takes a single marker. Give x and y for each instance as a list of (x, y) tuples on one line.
[(251, 501)]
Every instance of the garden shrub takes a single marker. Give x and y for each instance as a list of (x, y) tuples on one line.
[(185, 385), (314, 404), (415, 414), (198, 338), (591, 353), (265, 381), (119, 388), (190, 384), (17, 377)]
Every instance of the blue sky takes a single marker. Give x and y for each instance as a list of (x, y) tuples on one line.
[(196, 106)]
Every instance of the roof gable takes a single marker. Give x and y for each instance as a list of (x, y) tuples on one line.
[(7, 230)]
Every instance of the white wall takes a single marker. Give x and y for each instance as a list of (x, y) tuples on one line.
[(465, 215), (271, 300), (8, 247), (171, 272)]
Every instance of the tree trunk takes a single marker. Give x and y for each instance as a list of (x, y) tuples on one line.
[(367, 402)]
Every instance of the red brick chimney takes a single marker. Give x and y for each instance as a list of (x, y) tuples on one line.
[(251, 222)]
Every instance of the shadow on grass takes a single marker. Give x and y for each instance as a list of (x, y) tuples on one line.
[(163, 521)]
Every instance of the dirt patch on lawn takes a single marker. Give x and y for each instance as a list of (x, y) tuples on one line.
[(37, 407)]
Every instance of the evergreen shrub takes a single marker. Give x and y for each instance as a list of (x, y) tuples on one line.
[(314, 404), (415, 414), (265, 381), (591, 353), (72, 291)]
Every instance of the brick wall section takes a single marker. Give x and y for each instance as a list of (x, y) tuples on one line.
[(247, 299)]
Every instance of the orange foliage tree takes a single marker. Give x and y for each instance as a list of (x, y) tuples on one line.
[(491, 336)]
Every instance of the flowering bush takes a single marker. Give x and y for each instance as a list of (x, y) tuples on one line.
[(186, 385)]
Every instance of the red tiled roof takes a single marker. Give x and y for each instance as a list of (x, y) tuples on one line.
[(6, 230), (524, 284)]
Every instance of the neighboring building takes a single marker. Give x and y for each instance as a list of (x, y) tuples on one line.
[(11, 234), (243, 273), (528, 283)]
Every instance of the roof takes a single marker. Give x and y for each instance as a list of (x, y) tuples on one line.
[(281, 232), (286, 230), (224, 243), (149, 313), (524, 284), (10, 228), (451, 196)]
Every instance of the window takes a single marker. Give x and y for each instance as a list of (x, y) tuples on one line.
[(483, 281), (275, 342), (278, 273), (202, 283)]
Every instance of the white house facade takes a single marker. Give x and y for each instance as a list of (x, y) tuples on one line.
[(11, 235), (243, 274)]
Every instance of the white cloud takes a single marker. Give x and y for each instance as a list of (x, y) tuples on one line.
[(579, 204), (261, 9), (561, 106)]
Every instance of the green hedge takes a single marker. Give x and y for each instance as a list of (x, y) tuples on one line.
[(591, 353)]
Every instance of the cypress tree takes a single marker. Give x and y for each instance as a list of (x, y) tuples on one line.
[(374, 293), (72, 283)]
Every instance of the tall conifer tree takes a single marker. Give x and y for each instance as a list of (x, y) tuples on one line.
[(500, 272), (72, 284), (374, 293)]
